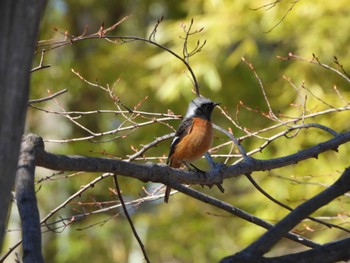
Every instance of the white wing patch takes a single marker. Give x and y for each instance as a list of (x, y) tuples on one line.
[(174, 140)]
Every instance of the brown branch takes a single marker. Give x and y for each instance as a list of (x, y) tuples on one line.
[(315, 60), (284, 16), (48, 98), (149, 146), (271, 113), (41, 65), (172, 177), (123, 39)]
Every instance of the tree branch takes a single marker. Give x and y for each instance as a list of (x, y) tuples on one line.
[(238, 212), (136, 235), (26, 200), (167, 175), (175, 178), (270, 238), (328, 253), (19, 22), (48, 98)]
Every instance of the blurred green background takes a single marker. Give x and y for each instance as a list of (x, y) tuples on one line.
[(186, 230)]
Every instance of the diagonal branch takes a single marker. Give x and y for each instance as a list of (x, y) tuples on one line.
[(270, 238), (238, 212), (262, 191)]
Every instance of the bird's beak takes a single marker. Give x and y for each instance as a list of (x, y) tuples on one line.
[(216, 104)]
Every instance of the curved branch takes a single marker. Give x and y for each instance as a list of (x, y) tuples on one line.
[(124, 39), (195, 82)]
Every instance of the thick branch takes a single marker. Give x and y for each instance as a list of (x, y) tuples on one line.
[(328, 253), (26, 201), (312, 152), (166, 175), (172, 177), (19, 23), (270, 238)]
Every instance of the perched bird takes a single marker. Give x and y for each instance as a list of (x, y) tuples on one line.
[(194, 136)]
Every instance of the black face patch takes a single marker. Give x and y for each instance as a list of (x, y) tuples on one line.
[(205, 110)]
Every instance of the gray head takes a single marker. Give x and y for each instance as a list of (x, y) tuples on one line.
[(200, 107)]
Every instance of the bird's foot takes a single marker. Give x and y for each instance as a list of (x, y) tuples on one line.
[(193, 168)]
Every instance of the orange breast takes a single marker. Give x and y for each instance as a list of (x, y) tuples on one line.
[(193, 145)]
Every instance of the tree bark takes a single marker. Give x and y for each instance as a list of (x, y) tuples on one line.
[(26, 201), (19, 24)]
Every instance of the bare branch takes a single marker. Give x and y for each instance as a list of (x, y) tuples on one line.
[(167, 175), (41, 65), (269, 239), (316, 61), (262, 191), (337, 62), (152, 36), (48, 98), (254, 252), (150, 145), (267, 6), (26, 200), (271, 113), (293, 3), (240, 213), (101, 34), (129, 219)]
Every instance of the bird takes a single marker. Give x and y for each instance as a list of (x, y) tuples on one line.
[(194, 136)]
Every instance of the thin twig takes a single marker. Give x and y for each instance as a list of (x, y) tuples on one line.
[(149, 145), (41, 65), (315, 60), (47, 98), (271, 113), (101, 34), (129, 219), (284, 16)]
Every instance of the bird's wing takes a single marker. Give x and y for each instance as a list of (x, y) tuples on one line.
[(185, 128)]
